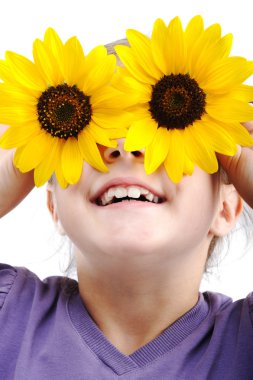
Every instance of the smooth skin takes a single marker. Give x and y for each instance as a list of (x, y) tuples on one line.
[(140, 265)]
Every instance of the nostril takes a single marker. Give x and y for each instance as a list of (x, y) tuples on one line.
[(110, 155), (137, 153), (114, 154)]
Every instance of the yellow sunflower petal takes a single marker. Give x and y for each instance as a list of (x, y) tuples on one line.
[(17, 155), (73, 62), (208, 58), (5, 72), (229, 110), (13, 115), (193, 31), (47, 64), (218, 138), (101, 136), (105, 118), (102, 71), (158, 44), (140, 112), (157, 150), (25, 72), (115, 133), (212, 33), (45, 169), (128, 58), (199, 151), (238, 133), (141, 46), (175, 48), (18, 136), (98, 54), (10, 81), (33, 152), (174, 162), (242, 92), (203, 44), (90, 152), (59, 175), (16, 95), (54, 44), (188, 165), (127, 84), (140, 134), (226, 75), (110, 98), (71, 160)]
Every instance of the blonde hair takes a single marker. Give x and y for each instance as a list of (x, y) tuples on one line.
[(110, 47)]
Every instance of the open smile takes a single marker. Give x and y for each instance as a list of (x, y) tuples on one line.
[(122, 194), (127, 192)]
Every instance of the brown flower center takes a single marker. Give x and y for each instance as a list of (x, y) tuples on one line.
[(63, 111), (177, 101)]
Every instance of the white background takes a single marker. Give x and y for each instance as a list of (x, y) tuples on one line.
[(27, 235)]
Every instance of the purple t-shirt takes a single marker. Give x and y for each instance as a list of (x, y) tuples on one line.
[(47, 333)]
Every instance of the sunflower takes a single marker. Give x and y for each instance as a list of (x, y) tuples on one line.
[(191, 96), (59, 108)]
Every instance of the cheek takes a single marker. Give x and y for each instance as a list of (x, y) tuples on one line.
[(197, 200), (69, 205), (70, 202)]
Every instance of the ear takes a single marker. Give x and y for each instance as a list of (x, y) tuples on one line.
[(229, 210), (51, 205)]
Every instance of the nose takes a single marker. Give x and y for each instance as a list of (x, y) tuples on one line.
[(111, 155)]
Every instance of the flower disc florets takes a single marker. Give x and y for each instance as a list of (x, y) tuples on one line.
[(63, 111), (177, 101)]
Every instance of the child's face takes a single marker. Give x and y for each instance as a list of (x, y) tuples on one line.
[(180, 223)]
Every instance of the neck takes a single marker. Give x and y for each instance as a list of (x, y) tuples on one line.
[(132, 303)]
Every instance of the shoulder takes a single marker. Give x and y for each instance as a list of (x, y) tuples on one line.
[(225, 311), (21, 286), (7, 278), (34, 319)]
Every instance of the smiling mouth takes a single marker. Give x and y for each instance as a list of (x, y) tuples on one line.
[(119, 194)]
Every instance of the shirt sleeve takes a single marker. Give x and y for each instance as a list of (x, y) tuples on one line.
[(7, 278), (250, 304)]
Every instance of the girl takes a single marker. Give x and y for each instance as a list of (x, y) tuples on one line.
[(141, 243)]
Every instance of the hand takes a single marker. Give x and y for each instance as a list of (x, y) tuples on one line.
[(14, 185), (239, 169)]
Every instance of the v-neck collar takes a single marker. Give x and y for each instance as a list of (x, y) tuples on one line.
[(117, 361)]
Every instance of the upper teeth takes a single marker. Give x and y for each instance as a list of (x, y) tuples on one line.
[(130, 192)]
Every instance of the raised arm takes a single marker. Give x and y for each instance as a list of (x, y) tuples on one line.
[(14, 185)]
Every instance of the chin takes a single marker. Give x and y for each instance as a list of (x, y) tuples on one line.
[(134, 245)]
